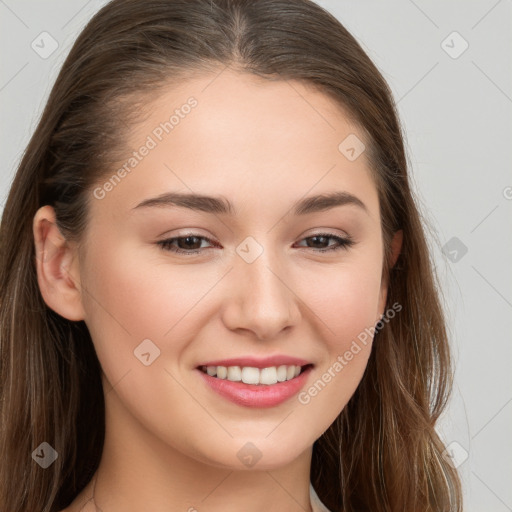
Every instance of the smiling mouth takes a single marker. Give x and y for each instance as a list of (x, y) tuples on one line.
[(255, 376)]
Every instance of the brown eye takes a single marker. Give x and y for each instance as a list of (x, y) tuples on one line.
[(323, 238), (189, 244)]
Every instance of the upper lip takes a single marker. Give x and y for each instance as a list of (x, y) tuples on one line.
[(257, 362)]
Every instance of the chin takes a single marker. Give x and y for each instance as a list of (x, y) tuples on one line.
[(258, 454)]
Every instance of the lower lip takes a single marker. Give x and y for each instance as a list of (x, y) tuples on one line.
[(250, 395)]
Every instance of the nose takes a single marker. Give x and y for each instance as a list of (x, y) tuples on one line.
[(261, 298)]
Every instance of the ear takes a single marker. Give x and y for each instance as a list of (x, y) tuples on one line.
[(57, 267), (396, 246)]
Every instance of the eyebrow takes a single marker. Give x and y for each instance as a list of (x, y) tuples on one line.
[(220, 205)]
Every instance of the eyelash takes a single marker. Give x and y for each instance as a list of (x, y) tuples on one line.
[(343, 243)]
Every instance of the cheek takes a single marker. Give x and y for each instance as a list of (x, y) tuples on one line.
[(345, 299), (133, 295), (130, 289)]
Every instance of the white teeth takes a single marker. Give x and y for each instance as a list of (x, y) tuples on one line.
[(268, 375), (281, 373), (251, 375), (234, 373), (222, 372)]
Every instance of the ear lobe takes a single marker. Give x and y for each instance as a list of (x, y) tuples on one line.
[(56, 265), (396, 247)]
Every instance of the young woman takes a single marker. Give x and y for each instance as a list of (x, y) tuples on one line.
[(216, 292)]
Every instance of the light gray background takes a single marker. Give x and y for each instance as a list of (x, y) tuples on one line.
[(456, 114)]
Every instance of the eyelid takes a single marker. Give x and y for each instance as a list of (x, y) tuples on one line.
[(326, 232), (343, 242)]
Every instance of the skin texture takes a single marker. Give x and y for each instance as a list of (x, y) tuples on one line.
[(171, 443)]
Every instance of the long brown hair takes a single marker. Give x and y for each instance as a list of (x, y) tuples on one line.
[(382, 453)]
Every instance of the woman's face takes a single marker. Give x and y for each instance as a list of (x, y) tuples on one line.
[(258, 285)]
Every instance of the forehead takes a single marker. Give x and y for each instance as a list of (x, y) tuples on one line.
[(241, 136)]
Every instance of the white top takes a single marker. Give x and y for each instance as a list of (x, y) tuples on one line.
[(316, 504)]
